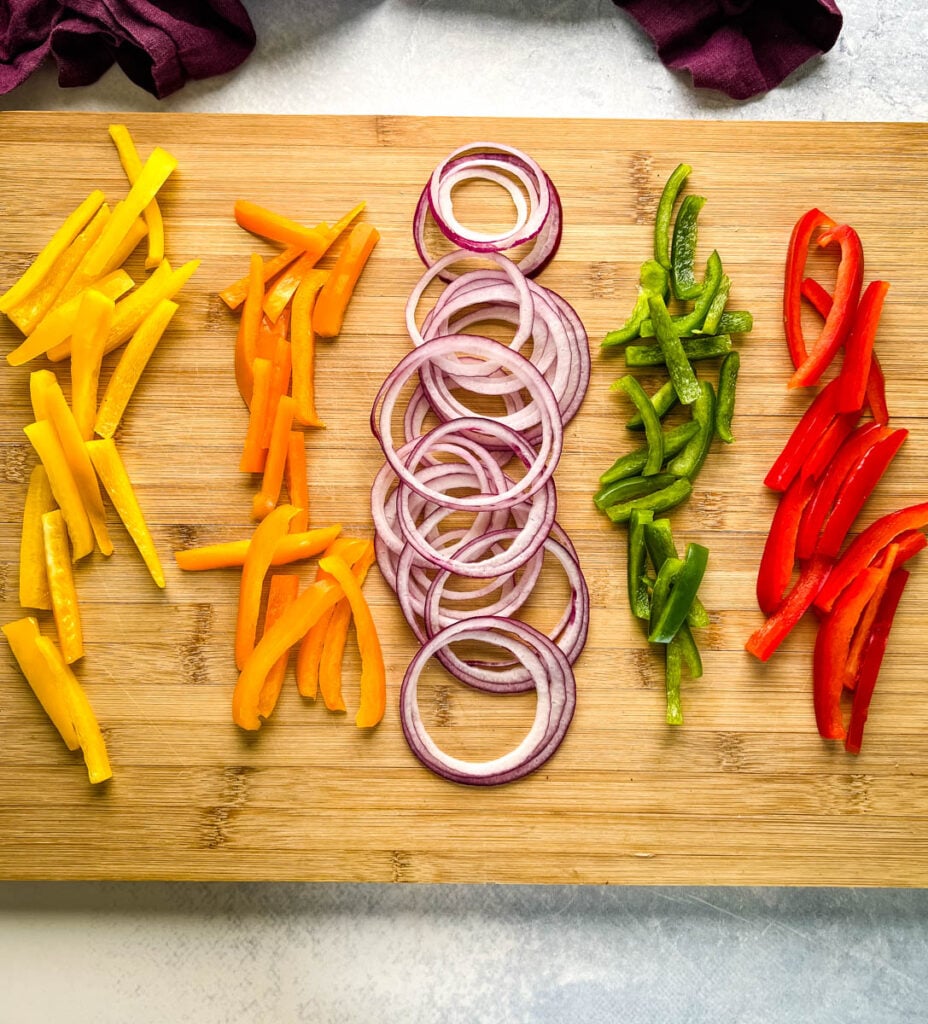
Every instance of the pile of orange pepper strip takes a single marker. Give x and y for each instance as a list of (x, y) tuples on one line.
[(285, 303), (77, 301)]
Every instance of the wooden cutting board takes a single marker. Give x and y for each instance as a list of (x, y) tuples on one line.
[(745, 792)]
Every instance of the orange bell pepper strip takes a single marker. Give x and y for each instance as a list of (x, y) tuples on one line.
[(85, 722), (61, 586), (132, 363), (254, 454), (286, 631), (246, 344), (309, 656), (156, 171), (233, 295), (50, 398), (294, 547), (282, 593), (257, 562), (132, 165), (274, 464), (269, 334), (44, 439), (267, 224), (21, 635), (329, 312), (94, 319), (373, 701), (33, 580), (59, 242), (303, 349), (56, 328), (112, 472), (297, 484), (283, 289), (33, 308), (280, 386)]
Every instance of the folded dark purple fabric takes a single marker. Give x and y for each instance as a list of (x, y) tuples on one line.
[(159, 46), (740, 47)]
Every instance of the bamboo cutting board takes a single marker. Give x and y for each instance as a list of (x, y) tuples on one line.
[(745, 792)]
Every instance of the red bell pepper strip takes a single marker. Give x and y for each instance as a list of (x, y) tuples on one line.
[(796, 255), (873, 659), (858, 352), (814, 422), (862, 633), (843, 308), (779, 557), (866, 546), (829, 444), (876, 382), (832, 643), (846, 458), (765, 640), (855, 490)]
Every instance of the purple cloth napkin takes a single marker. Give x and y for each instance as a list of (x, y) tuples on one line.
[(158, 46), (740, 47)]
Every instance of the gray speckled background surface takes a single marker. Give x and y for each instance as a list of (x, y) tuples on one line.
[(115, 953)]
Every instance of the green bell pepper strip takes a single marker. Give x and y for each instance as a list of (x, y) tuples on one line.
[(734, 321), (653, 280), (663, 400), (691, 653), (658, 539), (725, 404), (657, 501), (693, 350), (632, 464), (683, 579), (710, 323), (690, 323), (654, 435), (678, 366), (683, 249), (673, 672), (689, 462), (630, 488), (665, 213), (639, 599)]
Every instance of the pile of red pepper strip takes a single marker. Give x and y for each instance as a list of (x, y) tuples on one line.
[(828, 468)]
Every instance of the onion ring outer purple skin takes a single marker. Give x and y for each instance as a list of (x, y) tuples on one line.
[(569, 634), (552, 429), (556, 699)]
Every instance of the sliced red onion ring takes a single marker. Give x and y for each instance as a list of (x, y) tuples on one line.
[(554, 686)]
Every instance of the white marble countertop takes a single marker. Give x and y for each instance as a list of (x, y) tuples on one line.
[(114, 953)]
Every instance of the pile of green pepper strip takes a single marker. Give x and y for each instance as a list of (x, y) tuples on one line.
[(662, 586)]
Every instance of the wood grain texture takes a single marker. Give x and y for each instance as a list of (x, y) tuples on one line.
[(745, 792)]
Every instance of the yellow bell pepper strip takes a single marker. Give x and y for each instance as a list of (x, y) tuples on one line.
[(309, 656), (33, 308), (129, 369), (33, 580), (56, 328), (61, 586), (50, 396), (329, 311), (112, 472), (281, 594), (59, 242), (85, 722), (254, 453), (44, 439), (294, 547), (373, 701), (303, 349), (286, 631), (297, 484), (132, 165), (280, 386), (21, 635), (233, 295), (266, 498), (257, 562), (94, 319), (283, 289), (152, 176), (246, 343)]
